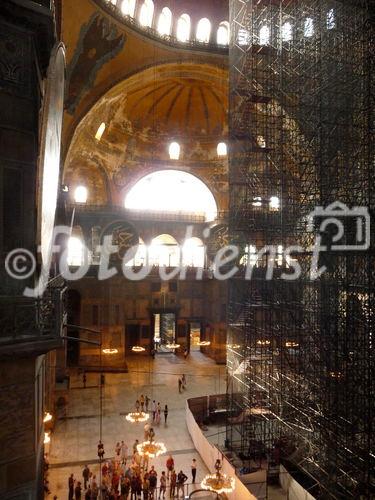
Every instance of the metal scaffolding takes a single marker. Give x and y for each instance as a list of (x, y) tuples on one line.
[(301, 352)]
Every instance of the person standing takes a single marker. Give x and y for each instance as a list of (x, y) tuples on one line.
[(142, 401), (135, 449), (124, 452), (172, 484), (86, 476), (153, 410), (137, 404), (179, 385), (181, 480), (88, 494), (147, 402), (101, 451), (71, 486), (146, 430), (165, 414), (194, 469), (153, 478), (163, 484), (78, 491), (170, 465), (117, 449), (146, 486), (183, 380)]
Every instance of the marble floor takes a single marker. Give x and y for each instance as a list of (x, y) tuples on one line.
[(74, 439)]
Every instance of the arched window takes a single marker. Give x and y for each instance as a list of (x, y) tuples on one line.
[(264, 35), (309, 27), (174, 151), (146, 13), (331, 21), (223, 33), (75, 251), (250, 256), (261, 141), (165, 22), (140, 258), (204, 30), (128, 7), (100, 131), (193, 253), (222, 149), (164, 251), (274, 203), (172, 191), (183, 28), (80, 194), (286, 32)]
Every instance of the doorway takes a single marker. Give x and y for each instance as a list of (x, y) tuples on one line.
[(195, 335), (164, 331)]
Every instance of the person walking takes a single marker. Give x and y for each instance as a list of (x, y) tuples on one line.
[(71, 486), (117, 449), (86, 476), (181, 480), (194, 469), (158, 414), (146, 430), (125, 488), (137, 405), (169, 465), (142, 401), (163, 484), (88, 494), (147, 402), (165, 414), (172, 484), (78, 491)]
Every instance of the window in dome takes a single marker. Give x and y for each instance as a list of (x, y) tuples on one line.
[(172, 191), (257, 201), (331, 21), (286, 32), (80, 194), (204, 30), (164, 251), (243, 37), (223, 33), (174, 151), (193, 253), (222, 149), (309, 27), (274, 203), (261, 141), (183, 28), (75, 252), (146, 13), (100, 131), (128, 7), (165, 22), (264, 35), (113, 2)]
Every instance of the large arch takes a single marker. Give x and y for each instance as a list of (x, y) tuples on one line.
[(174, 191)]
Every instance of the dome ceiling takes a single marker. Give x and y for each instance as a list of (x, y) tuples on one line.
[(178, 106)]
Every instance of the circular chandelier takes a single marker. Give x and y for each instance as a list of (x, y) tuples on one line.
[(110, 351), (151, 449), (172, 345), (204, 343), (218, 483), (138, 348), (137, 416)]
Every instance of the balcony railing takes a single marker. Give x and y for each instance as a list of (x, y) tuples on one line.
[(24, 319)]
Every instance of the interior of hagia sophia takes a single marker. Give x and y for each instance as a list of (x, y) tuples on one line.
[(138, 139)]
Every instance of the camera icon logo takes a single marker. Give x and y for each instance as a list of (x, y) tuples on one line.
[(352, 225)]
